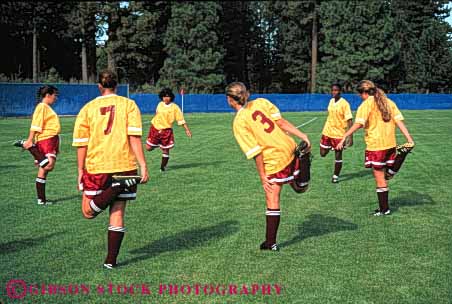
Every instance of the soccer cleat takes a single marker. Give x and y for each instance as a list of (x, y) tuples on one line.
[(335, 179), (41, 202), (405, 148), (301, 149), (162, 169), (377, 212), (109, 266), (273, 247), (125, 181), (19, 143)]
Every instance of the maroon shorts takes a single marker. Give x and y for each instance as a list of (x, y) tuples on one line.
[(160, 138), (49, 146), (94, 184), (380, 159), (329, 142), (286, 175)]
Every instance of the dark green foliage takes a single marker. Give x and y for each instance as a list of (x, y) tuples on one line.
[(192, 46), (402, 45), (357, 43), (292, 43), (422, 32)]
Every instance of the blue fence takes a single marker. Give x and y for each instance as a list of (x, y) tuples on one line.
[(293, 102), (19, 100)]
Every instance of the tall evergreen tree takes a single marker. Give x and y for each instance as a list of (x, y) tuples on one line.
[(139, 52), (422, 32), (81, 20), (357, 43), (194, 59), (293, 35), (235, 26), (31, 20)]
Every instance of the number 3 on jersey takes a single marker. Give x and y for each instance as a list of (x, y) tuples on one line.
[(264, 120), (104, 111)]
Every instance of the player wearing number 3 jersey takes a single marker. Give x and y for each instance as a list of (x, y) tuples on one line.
[(107, 134), (262, 134)]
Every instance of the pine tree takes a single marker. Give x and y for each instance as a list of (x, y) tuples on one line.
[(292, 43), (192, 45), (357, 43), (422, 32)]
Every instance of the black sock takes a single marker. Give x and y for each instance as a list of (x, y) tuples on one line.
[(272, 219), (115, 237), (383, 195)]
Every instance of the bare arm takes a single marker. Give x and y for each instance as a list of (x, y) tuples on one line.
[(290, 128), (259, 159), (349, 140), (137, 148), (404, 130), (187, 130), (81, 156), (29, 142), (349, 132)]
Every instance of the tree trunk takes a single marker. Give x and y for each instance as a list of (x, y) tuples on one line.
[(84, 64), (35, 55), (83, 31), (314, 51)]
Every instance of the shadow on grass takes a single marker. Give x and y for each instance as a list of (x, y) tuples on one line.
[(317, 225), (19, 245), (67, 198), (194, 165), (410, 199), (358, 174), (184, 240)]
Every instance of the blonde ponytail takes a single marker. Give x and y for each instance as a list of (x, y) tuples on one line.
[(379, 96)]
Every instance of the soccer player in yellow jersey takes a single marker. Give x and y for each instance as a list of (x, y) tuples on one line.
[(339, 119), (43, 141), (379, 116), (260, 132), (161, 132), (107, 134)]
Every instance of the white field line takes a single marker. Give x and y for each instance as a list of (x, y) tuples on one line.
[(308, 122)]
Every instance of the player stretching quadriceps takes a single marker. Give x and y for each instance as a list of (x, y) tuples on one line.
[(107, 134), (339, 119), (262, 134), (43, 140), (379, 116)]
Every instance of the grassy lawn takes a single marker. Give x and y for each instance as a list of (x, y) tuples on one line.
[(199, 225)]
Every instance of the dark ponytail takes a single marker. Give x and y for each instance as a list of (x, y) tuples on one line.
[(43, 91)]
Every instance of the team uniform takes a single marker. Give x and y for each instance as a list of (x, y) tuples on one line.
[(46, 124), (161, 132), (256, 132), (380, 136), (336, 124), (103, 125)]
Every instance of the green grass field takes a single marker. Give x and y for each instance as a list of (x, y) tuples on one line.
[(201, 222)]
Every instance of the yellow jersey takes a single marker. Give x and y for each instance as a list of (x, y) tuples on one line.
[(256, 132), (166, 114), (338, 114), (45, 122), (378, 135), (104, 125)]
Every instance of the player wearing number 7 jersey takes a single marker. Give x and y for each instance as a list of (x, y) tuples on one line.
[(107, 133), (262, 134)]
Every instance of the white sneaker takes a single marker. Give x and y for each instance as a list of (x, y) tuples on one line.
[(41, 202)]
